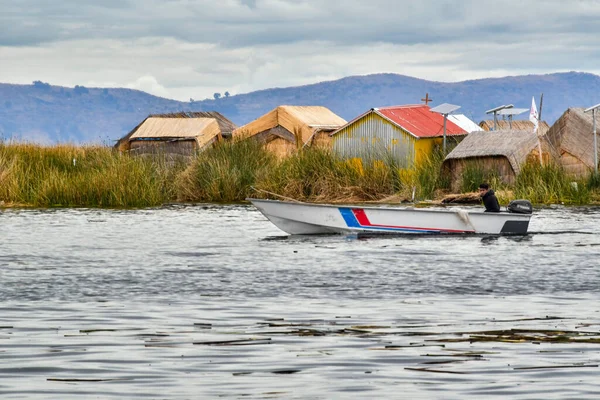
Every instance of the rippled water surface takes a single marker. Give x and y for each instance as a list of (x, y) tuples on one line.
[(215, 302)]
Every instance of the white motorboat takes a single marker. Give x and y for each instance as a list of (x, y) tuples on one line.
[(298, 218)]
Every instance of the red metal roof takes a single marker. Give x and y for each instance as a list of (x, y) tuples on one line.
[(419, 121)]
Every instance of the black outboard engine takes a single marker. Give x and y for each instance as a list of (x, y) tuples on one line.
[(520, 207)]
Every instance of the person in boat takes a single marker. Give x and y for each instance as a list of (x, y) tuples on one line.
[(489, 198)]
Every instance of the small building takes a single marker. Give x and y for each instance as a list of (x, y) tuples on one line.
[(516, 125), (178, 133), (572, 137), (285, 129), (408, 134), (500, 153)]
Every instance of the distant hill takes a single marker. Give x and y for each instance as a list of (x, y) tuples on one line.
[(43, 113)]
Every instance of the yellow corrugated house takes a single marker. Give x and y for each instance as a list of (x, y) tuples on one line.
[(408, 133)]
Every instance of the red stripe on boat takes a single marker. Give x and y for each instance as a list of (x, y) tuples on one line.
[(361, 217), (363, 221)]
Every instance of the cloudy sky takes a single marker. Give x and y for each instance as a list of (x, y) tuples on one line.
[(184, 49)]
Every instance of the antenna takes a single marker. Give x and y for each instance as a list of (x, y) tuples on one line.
[(593, 110), (445, 109)]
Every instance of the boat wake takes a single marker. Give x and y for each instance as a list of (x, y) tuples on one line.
[(561, 232), (366, 235)]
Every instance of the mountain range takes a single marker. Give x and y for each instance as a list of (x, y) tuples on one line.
[(48, 114)]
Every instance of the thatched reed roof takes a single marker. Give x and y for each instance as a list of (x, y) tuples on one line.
[(303, 121), (203, 130), (517, 125), (513, 144), (226, 127), (572, 133)]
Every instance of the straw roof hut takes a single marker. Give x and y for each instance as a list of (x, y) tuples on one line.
[(517, 125), (494, 152), (572, 137), (172, 128), (287, 128)]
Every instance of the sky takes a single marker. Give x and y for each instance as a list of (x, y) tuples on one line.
[(191, 49)]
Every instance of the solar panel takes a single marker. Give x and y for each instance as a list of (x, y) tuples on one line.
[(445, 108), (493, 110), (592, 108), (512, 111)]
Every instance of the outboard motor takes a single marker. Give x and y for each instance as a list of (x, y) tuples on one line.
[(520, 207)]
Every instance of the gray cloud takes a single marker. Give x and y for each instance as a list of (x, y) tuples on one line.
[(248, 23), (190, 48)]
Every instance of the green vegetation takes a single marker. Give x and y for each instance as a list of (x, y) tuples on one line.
[(594, 181), (549, 184), (318, 175), (224, 173), (95, 176), (429, 176), (66, 175), (472, 176)]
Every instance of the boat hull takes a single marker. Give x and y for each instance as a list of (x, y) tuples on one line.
[(298, 218)]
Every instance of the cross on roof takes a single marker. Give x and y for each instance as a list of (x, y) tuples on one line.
[(426, 99)]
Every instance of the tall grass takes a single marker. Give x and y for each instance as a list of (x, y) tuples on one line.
[(549, 184), (429, 177), (317, 174), (594, 181), (66, 175), (225, 173), (92, 176), (229, 171), (307, 174)]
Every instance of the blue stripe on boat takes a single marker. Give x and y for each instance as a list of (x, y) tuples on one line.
[(349, 217)]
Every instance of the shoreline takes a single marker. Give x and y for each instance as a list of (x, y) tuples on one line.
[(33, 176), (440, 202)]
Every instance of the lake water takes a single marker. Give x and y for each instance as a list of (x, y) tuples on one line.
[(188, 302)]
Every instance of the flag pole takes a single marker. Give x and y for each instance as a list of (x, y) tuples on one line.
[(534, 117), (595, 142), (538, 137)]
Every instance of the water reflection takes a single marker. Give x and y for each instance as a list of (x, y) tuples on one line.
[(490, 239)]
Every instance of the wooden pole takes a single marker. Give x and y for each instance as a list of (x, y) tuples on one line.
[(445, 118), (540, 151)]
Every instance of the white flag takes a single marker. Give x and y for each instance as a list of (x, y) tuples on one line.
[(533, 115)]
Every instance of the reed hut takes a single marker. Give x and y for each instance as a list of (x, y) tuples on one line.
[(572, 137), (408, 134), (285, 129), (500, 153), (516, 125), (177, 133)]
